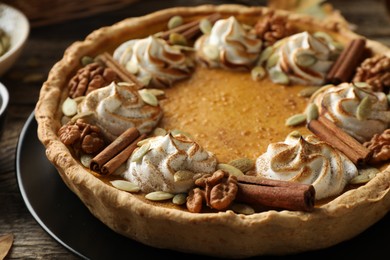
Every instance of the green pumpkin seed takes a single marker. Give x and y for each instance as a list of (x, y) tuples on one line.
[(85, 60), (295, 120), (242, 209), (183, 175), (159, 195), (272, 60), (177, 39), (265, 54), (230, 169), (308, 91), (305, 59), (158, 131), (311, 112), (175, 21), (279, 77), (364, 108), (125, 185), (364, 175), (205, 26), (140, 152), (179, 199), (85, 160), (243, 164), (148, 98), (258, 73), (295, 134)]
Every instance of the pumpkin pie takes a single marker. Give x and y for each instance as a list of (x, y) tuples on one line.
[(201, 129)]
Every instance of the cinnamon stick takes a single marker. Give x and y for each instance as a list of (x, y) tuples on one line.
[(120, 70), (327, 131), (188, 30), (343, 68), (114, 148), (113, 164), (275, 193)]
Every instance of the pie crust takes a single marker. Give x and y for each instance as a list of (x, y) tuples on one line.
[(222, 234)]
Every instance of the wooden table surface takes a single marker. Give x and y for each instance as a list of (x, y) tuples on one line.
[(45, 46)]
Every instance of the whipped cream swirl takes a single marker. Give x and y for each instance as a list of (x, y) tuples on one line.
[(115, 108), (310, 161), (343, 103), (303, 58), (166, 156), (228, 45), (154, 61)]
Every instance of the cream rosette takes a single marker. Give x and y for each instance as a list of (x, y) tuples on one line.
[(355, 108), (310, 161), (154, 61), (300, 59), (169, 163), (115, 108), (228, 45)]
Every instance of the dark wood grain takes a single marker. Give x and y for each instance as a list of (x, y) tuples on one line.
[(46, 46)]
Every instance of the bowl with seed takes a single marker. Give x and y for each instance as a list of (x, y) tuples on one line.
[(4, 100), (14, 31)]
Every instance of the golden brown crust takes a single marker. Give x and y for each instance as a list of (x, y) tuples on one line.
[(223, 234)]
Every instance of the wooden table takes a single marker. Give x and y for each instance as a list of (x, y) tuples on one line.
[(46, 46)]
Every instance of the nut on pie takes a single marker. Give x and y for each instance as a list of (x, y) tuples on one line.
[(226, 131)]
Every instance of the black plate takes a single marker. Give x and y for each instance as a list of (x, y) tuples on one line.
[(61, 214)]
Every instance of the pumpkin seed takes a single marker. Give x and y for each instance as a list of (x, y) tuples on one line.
[(69, 107), (85, 160), (243, 164), (308, 91), (177, 39), (296, 119), (295, 134), (279, 77), (364, 175), (360, 84), (179, 199), (258, 73), (323, 35), (229, 169), (211, 52), (155, 91), (125, 185), (272, 60), (158, 131), (144, 141), (242, 209), (175, 132), (264, 55), (175, 21), (305, 59), (364, 108), (140, 152), (311, 112), (85, 60), (148, 98), (183, 175), (159, 195), (81, 115), (205, 26)]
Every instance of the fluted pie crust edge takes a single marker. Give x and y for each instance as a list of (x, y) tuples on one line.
[(224, 234)]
